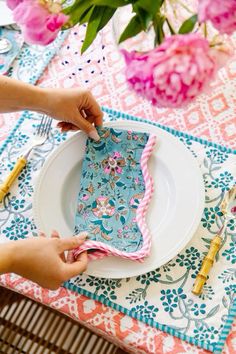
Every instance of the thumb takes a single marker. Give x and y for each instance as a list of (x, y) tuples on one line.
[(77, 267), (86, 126), (72, 242)]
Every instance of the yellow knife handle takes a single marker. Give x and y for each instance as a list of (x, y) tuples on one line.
[(4, 188), (207, 263)]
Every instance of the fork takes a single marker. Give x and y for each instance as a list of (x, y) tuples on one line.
[(40, 138)]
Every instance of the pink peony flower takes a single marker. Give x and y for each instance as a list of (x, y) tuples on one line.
[(12, 4), (174, 73), (38, 24), (221, 13)]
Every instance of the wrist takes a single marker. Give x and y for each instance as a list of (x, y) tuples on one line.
[(6, 257), (39, 100)]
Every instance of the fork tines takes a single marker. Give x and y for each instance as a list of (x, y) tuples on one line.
[(44, 126)]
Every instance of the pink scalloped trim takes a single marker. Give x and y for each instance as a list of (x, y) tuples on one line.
[(106, 250)]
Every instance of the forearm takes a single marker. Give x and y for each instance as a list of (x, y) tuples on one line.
[(6, 253), (16, 96)]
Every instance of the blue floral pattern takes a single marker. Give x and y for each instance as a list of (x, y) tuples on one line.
[(112, 186)]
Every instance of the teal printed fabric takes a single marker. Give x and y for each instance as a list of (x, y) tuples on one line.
[(112, 186)]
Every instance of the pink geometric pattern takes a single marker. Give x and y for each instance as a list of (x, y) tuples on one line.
[(211, 116)]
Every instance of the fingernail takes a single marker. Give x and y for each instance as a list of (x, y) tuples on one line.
[(94, 135), (70, 257), (82, 236)]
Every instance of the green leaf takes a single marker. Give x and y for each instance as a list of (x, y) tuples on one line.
[(188, 25), (144, 16), (111, 3), (86, 16), (107, 15), (151, 6), (168, 277), (77, 10), (92, 31), (132, 29), (97, 20)]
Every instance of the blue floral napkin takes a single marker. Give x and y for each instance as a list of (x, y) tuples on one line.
[(113, 186)]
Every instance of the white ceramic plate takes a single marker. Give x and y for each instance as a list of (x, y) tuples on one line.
[(5, 14), (174, 213)]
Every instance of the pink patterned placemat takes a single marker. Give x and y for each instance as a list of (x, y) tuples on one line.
[(211, 117)]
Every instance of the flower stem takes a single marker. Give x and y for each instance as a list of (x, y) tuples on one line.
[(184, 6), (172, 31), (205, 30)]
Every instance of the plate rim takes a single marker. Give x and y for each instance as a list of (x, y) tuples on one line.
[(197, 217), (10, 21)]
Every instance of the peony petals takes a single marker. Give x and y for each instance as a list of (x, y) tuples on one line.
[(174, 73), (38, 25), (221, 13)]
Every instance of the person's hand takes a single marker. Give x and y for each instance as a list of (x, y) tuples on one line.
[(43, 261), (75, 108)]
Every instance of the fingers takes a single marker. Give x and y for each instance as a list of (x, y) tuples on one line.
[(65, 127), (70, 257), (82, 123), (87, 127), (55, 234), (77, 267), (42, 234), (91, 108), (72, 242)]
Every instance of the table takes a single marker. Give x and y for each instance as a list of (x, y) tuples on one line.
[(211, 116)]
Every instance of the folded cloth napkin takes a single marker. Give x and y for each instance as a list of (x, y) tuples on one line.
[(115, 191)]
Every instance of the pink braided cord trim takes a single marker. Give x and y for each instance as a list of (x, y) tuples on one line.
[(106, 250)]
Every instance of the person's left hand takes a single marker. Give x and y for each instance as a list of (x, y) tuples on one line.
[(43, 260), (75, 108)]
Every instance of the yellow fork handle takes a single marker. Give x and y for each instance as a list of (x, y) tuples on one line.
[(207, 264), (4, 188)]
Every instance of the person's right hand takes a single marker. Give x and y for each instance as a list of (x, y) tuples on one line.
[(42, 259), (74, 108)]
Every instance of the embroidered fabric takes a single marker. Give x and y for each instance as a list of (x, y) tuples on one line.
[(115, 191)]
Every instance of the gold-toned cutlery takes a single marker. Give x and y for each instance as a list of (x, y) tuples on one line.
[(40, 138), (228, 209)]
